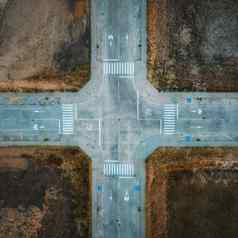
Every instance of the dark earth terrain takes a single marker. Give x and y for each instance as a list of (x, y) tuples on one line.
[(191, 192), (44, 192), (193, 45), (203, 204)]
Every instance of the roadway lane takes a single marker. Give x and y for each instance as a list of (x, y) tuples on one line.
[(30, 123), (119, 50)]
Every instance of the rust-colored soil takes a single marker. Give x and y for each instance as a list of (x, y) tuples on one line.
[(181, 188), (44, 192), (81, 8), (158, 38), (49, 82)]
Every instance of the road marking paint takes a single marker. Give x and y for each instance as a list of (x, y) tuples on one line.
[(138, 105), (100, 132), (118, 68), (104, 68), (113, 68), (59, 126), (126, 197), (68, 119), (170, 116), (107, 169), (120, 169)]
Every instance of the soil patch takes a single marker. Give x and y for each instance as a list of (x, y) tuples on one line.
[(191, 192), (44, 192), (192, 45), (45, 46)]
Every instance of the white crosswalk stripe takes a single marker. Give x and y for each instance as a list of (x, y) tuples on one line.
[(119, 68), (120, 169), (68, 119), (169, 119)]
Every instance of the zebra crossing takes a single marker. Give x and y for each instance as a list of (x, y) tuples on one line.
[(120, 169), (169, 119), (68, 119), (118, 68)]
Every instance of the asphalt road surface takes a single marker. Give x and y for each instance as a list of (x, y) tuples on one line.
[(119, 119)]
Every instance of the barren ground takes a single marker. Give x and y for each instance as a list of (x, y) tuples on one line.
[(45, 46), (192, 193), (192, 45), (44, 192)]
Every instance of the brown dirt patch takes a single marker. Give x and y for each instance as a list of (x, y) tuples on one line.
[(45, 46), (50, 197), (15, 163), (186, 190), (49, 83), (81, 8), (192, 45)]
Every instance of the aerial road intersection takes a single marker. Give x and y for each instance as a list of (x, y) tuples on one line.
[(118, 118)]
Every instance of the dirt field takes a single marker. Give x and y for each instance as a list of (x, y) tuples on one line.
[(44, 46), (44, 192), (192, 45), (192, 193)]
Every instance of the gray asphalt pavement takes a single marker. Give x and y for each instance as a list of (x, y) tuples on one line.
[(119, 119)]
